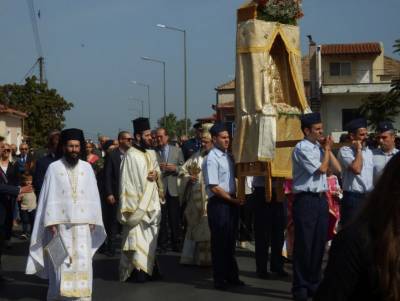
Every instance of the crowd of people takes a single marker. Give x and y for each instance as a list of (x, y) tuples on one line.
[(147, 196)]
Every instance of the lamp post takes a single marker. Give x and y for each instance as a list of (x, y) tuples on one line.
[(148, 95), (164, 88), (184, 67)]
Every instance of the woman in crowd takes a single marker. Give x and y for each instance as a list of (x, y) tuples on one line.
[(91, 156), (364, 260), (9, 175)]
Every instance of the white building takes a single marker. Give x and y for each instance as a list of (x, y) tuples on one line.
[(12, 125)]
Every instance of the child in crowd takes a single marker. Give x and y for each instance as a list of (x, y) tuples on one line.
[(28, 208), (333, 195)]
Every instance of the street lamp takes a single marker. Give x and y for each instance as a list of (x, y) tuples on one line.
[(145, 58), (142, 103), (148, 94), (184, 67)]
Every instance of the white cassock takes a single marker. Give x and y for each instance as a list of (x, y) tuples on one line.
[(139, 211), (196, 247), (69, 199)]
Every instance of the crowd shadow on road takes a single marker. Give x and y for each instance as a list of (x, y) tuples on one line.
[(23, 286), (201, 278)]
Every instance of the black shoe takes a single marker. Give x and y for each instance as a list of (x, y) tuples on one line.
[(281, 273), (264, 275), (221, 286), (4, 279), (236, 282), (140, 276)]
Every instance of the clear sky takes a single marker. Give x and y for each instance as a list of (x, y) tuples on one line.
[(92, 49)]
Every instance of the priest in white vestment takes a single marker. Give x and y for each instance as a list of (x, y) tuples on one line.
[(196, 247), (69, 207), (140, 210)]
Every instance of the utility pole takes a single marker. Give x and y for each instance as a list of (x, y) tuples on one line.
[(41, 69)]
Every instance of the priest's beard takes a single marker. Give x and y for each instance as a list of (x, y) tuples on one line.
[(144, 144), (72, 158)]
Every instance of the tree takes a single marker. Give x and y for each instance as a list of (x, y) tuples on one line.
[(380, 107), (175, 127), (383, 106), (44, 106)]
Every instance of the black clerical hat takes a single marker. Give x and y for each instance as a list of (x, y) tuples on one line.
[(384, 126), (356, 124), (140, 125), (72, 134), (309, 119), (218, 128)]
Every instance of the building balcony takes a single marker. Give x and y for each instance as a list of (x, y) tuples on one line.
[(355, 88)]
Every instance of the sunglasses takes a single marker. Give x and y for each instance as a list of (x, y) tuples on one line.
[(7, 150), (23, 149)]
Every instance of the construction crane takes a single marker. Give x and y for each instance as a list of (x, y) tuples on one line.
[(40, 60)]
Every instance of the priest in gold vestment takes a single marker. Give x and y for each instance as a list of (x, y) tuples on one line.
[(69, 206), (139, 207), (196, 247)]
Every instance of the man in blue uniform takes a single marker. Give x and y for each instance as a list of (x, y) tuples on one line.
[(386, 135), (311, 159), (222, 208), (193, 145), (357, 170), (269, 228)]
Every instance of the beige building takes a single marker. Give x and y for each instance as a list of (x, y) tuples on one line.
[(11, 125), (342, 75)]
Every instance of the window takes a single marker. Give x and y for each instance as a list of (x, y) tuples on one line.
[(348, 115), (339, 69)]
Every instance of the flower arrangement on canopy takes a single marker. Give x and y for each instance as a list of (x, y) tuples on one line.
[(282, 11)]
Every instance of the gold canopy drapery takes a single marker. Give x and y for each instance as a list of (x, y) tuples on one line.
[(268, 72)]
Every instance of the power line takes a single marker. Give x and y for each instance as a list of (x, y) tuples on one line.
[(36, 37), (29, 71), (35, 27)]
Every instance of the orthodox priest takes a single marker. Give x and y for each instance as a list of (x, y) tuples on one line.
[(196, 247), (69, 206), (140, 210)]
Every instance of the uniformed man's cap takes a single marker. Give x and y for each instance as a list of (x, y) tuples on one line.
[(72, 134), (218, 128), (310, 119), (384, 126), (356, 124), (141, 124)]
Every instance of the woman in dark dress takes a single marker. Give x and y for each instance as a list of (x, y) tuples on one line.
[(364, 260)]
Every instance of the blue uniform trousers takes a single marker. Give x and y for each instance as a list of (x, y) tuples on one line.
[(349, 206), (269, 229), (223, 220), (310, 216)]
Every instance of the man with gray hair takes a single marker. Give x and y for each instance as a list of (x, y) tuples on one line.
[(386, 136)]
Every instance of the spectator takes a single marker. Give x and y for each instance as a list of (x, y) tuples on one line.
[(364, 259)]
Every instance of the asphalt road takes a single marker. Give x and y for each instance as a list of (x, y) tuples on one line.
[(178, 283)]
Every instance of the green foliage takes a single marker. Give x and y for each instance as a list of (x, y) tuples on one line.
[(380, 107), (396, 46), (386, 106), (175, 127), (44, 106)]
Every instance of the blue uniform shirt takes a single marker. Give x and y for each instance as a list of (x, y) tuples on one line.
[(361, 183), (218, 169), (380, 159), (307, 159)]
